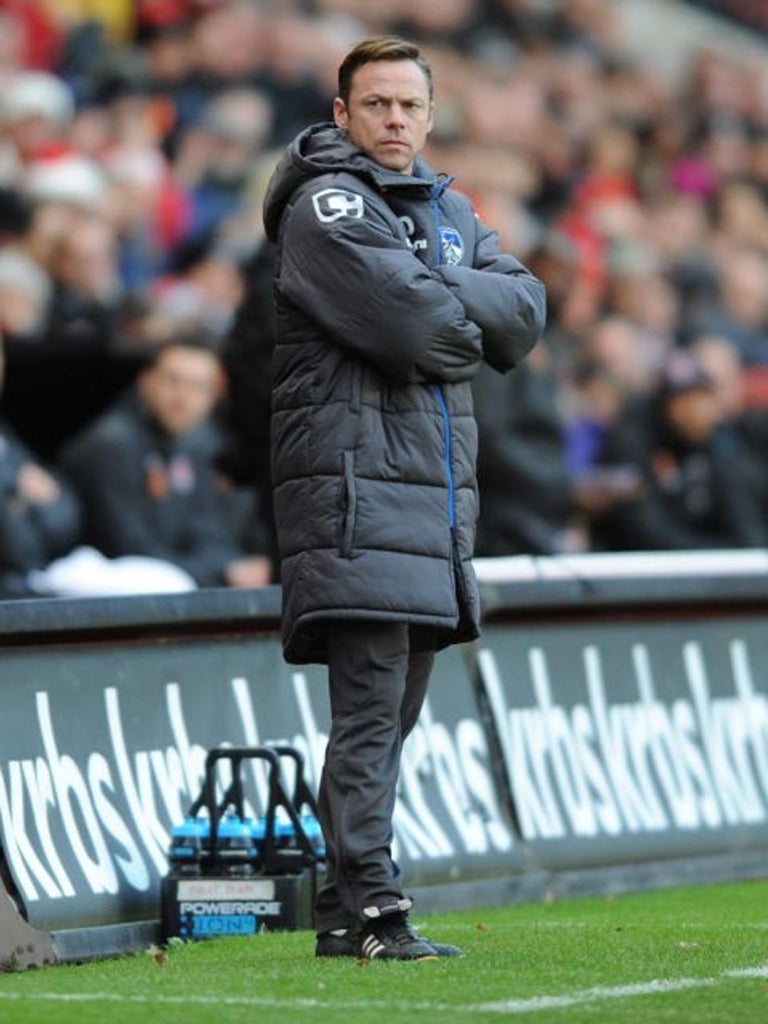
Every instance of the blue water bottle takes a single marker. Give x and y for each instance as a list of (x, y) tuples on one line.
[(188, 840), (258, 830), (236, 852)]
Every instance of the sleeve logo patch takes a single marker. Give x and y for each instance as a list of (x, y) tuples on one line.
[(334, 203)]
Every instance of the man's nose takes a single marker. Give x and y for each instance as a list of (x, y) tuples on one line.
[(396, 115)]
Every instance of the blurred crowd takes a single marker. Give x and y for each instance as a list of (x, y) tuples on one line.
[(136, 141), (751, 14)]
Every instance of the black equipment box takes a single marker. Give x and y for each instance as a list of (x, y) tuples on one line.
[(200, 908), (233, 875)]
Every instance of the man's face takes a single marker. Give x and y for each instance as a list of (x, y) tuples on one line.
[(694, 414), (181, 390), (389, 113)]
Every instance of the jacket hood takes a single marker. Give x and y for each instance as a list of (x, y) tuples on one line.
[(325, 149)]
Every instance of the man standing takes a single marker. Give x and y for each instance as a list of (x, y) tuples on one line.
[(389, 295)]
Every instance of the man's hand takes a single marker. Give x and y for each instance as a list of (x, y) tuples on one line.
[(255, 571), (35, 486), (603, 488)]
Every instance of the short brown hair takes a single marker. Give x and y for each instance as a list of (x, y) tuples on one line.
[(382, 48)]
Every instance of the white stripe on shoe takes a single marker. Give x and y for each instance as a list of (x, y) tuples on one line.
[(371, 947)]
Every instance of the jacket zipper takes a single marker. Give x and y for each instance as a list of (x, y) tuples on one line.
[(437, 190), (447, 456)]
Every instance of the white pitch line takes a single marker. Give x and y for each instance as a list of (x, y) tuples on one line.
[(592, 995), (748, 972), (508, 1006)]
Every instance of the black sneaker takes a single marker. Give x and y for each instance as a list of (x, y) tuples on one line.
[(445, 948), (440, 948), (343, 942), (339, 942), (391, 938)]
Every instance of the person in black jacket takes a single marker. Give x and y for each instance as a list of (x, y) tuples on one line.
[(246, 354), (534, 499), (390, 293), (527, 492), (147, 476), (697, 492), (40, 516)]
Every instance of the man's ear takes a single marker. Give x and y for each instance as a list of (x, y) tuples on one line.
[(144, 381), (340, 116), (222, 384)]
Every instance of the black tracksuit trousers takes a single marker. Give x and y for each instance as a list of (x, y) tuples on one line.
[(378, 674)]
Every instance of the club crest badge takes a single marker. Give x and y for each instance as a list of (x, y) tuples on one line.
[(334, 203), (452, 245)]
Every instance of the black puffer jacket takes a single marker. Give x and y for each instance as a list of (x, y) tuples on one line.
[(389, 294)]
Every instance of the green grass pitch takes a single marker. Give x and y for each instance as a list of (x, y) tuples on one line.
[(697, 955)]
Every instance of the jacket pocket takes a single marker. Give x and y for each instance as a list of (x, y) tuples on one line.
[(347, 504), (356, 389)]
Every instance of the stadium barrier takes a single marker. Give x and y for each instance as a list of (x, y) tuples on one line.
[(613, 717)]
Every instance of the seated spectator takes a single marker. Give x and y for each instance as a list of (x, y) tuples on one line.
[(746, 425), (146, 474), (751, 431), (201, 296), (741, 310), (531, 502), (696, 493), (36, 111), (525, 488), (39, 513), (25, 291), (70, 365), (86, 285), (216, 155), (617, 345), (597, 401), (246, 353)]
